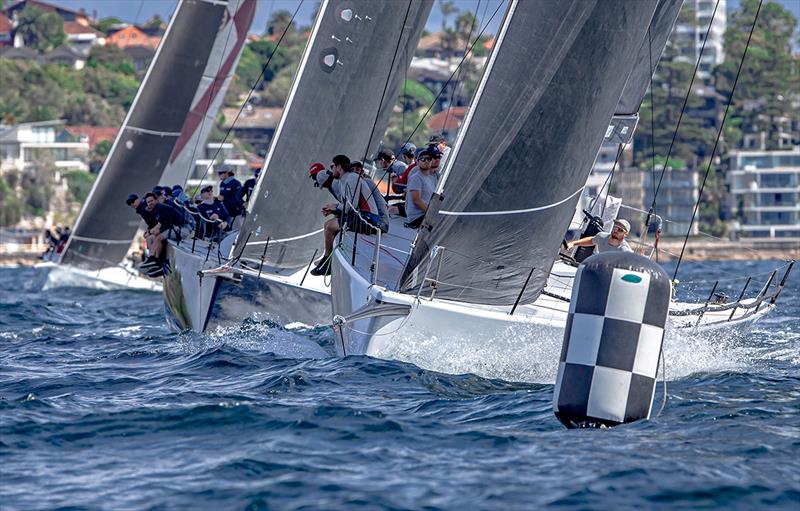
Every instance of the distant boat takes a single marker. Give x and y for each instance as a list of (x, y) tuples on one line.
[(171, 115), (337, 104), (479, 276)]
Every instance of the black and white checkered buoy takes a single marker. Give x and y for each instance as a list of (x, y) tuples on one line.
[(612, 341)]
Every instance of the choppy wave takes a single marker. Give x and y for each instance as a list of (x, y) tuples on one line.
[(101, 407)]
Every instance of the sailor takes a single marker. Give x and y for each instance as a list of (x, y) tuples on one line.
[(390, 165), (178, 195), (369, 214), (214, 210), (230, 191), (441, 144), (145, 209), (376, 195), (421, 186), (140, 206), (158, 191), (607, 241), (437, 156), (399, 186), (247, 188), (407, 153)]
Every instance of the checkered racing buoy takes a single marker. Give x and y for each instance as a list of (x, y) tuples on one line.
[(612, 341)]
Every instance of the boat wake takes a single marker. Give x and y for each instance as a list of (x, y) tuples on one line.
[(297, 342), (106, 279), (528, 354)]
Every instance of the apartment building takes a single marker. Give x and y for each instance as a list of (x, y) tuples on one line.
[(764, 193)]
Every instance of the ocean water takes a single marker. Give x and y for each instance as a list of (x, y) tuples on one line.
[(102, 408)]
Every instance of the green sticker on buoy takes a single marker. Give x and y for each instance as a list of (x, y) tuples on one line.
[(630, 277)]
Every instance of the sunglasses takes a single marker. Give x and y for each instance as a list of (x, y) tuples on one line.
[(425, 158)]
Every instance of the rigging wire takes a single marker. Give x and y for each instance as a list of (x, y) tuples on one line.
[(716, 142), (680, 116), (433, 103), (249, 95), (210, 98), (386, 83), (458, 80)]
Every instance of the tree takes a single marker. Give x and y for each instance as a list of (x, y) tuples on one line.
[(767, 91), (669, 89), (279, 22), (104, 25), (111, 57), (39, 29)]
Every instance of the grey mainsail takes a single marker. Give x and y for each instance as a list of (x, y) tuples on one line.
[(337, 95), (220, 70), (155, 123), (521, 160)]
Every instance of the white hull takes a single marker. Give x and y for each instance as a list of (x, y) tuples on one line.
[(107, 279), (457, 338)]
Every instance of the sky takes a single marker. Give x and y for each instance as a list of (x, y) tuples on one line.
[(137, 11)]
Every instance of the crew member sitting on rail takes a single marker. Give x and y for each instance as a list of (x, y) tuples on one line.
[(214, 210), (361, 208), (607, 241), (152, 235), (421, 187)]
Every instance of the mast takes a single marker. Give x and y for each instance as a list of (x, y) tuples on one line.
[(156, 120), (336, 97), (521, 161)]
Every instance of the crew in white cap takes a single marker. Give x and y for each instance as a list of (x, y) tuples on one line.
[(607, 241)]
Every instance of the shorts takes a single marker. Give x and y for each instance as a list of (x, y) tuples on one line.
[(354, 223)]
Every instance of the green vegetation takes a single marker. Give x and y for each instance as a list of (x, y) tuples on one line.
[(767, 95), (40, 30), (80, 184), (34, 92)]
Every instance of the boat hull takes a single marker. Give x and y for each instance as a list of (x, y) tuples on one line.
[(459, 338), (211, 302)]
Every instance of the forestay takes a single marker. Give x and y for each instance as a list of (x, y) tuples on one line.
[(522, 157), (336, 97), (156, 121)]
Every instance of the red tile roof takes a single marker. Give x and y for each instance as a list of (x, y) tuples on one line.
[(454, 119), (5, 23), (96, 134)]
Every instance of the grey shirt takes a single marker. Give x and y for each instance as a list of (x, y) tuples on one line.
[(600, 240), (425, 184)]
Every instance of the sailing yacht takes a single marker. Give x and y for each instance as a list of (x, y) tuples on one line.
[(479, 277), (169, 119), (341, 99)]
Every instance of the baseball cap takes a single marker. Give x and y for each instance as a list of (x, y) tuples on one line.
[(356, 164), (408, 148), (425, 151), (316, 168), (207, 188), (436, 138), (131, 199), (157, 190), (623, 223)]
